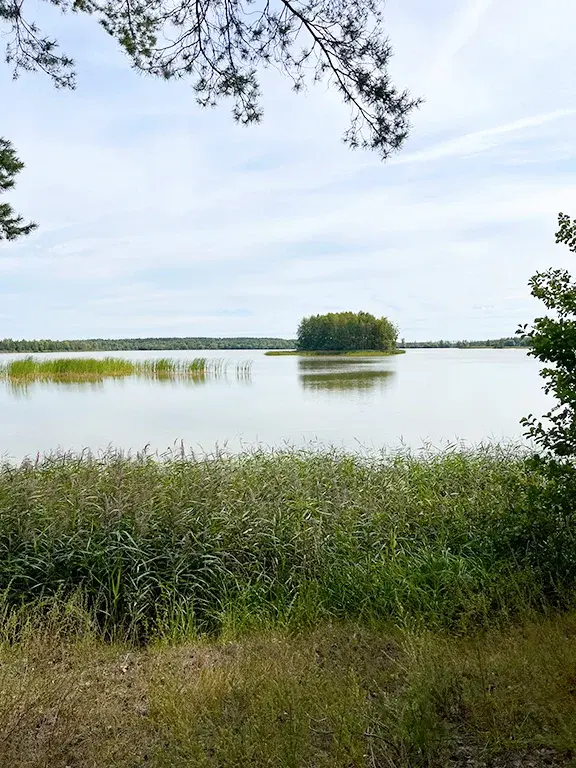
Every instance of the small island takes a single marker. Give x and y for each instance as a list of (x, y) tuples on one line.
[(344, 333)]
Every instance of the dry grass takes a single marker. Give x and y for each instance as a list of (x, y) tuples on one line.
[(338, 697), (80, 705)]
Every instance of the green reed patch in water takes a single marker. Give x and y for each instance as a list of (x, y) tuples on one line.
[(288, 539), (30, 368), (80, 369)]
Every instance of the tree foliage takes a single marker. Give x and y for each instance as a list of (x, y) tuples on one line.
[(343, 331), (11, 224), (553, 342), (222, 45), (504, 342)]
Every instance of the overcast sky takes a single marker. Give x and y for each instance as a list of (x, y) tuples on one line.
[(159, 218)]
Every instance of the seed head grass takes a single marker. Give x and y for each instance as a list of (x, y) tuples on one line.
[(289, 539)]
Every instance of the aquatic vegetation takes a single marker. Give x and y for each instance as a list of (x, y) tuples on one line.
[(85, 369), (243, 370)]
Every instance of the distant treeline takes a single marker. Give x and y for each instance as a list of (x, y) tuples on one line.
[(112, 345), (509, 341)]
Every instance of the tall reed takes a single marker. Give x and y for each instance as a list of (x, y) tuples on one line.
[(89, 369), (286, 538)]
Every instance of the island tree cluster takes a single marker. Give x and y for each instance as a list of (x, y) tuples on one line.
[(346, 331)]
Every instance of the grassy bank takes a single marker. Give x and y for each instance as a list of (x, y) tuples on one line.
[(286, 609), (344, 353), (181, 547), (338, 696), (30, 369)]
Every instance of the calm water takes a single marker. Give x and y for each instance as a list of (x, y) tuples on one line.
[(424, 396)]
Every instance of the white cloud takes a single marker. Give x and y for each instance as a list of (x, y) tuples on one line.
[(463, 26), (480, 141)]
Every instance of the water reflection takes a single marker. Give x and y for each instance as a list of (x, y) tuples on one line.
[(343, 376), (330, 363), (25, 388)]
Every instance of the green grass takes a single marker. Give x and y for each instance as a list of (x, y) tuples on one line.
[(186, 546), (81, 369), (347, 353)]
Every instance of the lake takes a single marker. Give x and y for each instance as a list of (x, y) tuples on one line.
[(432, 396)]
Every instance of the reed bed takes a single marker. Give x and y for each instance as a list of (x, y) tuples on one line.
[(189, 545), (83, 369)]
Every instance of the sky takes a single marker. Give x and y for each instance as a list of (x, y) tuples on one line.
[(159, 218)]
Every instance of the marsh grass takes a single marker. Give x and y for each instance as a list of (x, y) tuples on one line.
[(188, 546), (84, 369)]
